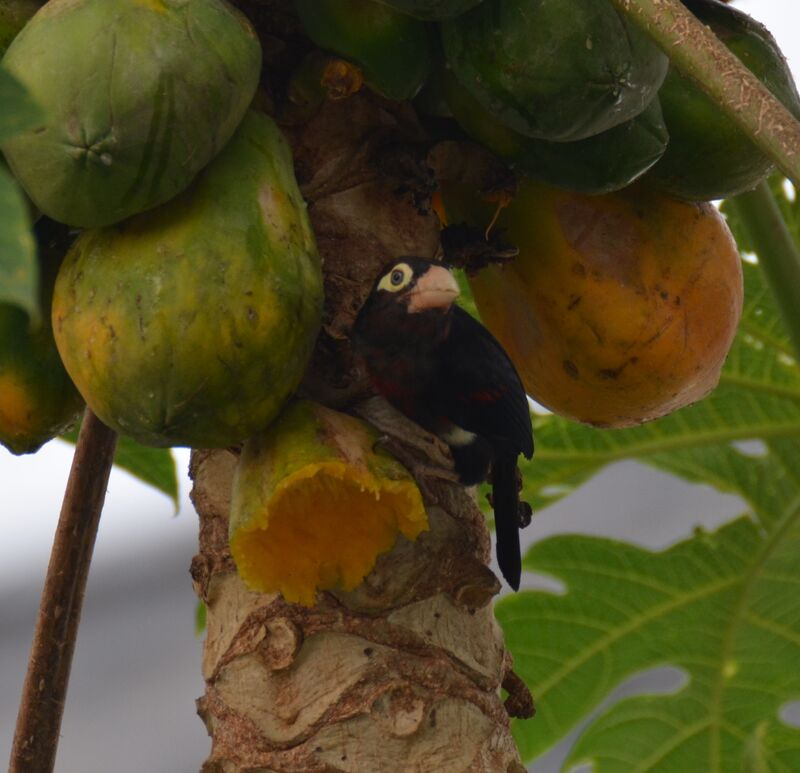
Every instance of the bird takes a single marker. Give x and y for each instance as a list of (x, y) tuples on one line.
[(446, 372)]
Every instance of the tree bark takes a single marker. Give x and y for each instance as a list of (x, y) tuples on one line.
[(404, 673)]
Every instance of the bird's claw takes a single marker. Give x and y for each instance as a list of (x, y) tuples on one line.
[(524, 514)]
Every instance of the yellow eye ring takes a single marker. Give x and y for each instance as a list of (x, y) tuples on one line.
[(398, 278)]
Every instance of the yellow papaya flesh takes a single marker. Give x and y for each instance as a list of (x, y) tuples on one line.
[(193, 323), (619, 308), (314, 504)]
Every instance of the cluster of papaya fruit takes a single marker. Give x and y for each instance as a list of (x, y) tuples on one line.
[(626, 293), (186, 308), (179, 263)]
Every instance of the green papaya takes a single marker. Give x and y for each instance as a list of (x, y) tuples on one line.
[(147, 93), (14, 14), (37, 399), (558, 70), (394, 50), (602, 163), (432, 10), (708, 156), (193, 323)]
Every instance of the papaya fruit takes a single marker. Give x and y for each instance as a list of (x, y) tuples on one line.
[(708, 156), (558, 71), (14, 14), (619, 308), (37, 399), (193, 323), (394, 50), (170, 81), (432, 10), (598, 164), (314, 504)]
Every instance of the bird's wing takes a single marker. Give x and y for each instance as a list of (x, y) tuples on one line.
[(484, 392)]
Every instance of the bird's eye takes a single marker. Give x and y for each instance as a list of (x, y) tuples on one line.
[(396, 279)]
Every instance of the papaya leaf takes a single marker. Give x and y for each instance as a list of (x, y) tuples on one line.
[(723, 607), (19, 271), (153, 466), (18, 110)]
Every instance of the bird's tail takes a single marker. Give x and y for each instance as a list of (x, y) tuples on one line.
[(505, 499)]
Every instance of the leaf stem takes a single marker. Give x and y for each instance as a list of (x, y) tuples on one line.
[(45, 688), (697, 52), (777, 253)]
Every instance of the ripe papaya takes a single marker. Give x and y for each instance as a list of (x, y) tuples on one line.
[(168, 82), (193, 323), (314, 503), (619, 308), (554, 70), (708, 156), (598, 164), (394, 50), (432, 10), (37, 399), (14, 14)]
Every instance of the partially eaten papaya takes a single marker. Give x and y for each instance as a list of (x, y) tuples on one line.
[(314, 504), (619, 308)]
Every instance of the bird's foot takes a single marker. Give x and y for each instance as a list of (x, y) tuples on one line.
[(524, 512), (421, 471)]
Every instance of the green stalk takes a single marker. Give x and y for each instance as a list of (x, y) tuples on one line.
[(697, 52), (777, 253)]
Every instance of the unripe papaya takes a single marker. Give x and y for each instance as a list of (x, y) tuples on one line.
[(554, 70), (598, 164), (140, 95), (193, 323), (394, 50), (14, 14), (619, 308), (708, 156), (433, 10), (37, 399)]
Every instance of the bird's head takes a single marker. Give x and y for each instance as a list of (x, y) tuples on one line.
[(410, 297)]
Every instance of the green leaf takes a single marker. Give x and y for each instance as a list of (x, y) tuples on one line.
[(18, 111), (153, 466), (19, 271), (723, 607)]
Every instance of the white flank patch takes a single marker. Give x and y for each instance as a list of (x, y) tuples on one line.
[(458, 437)]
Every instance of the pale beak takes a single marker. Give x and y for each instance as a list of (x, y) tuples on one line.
[(435, 289)]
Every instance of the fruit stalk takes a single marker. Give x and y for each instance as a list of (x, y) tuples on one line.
[(45, 688), (777, 253), (697, 53)]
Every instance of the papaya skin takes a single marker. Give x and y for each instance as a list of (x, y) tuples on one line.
[(432, 10), (37, 399), (620, 308), (192, 324), (147, 93), (395, 51), (558, 71)]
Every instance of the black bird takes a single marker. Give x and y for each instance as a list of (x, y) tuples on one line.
[(447, 372)]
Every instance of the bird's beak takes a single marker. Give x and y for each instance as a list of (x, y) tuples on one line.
[(435, 289)]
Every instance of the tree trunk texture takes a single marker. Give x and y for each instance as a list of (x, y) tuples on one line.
[(403, 673)]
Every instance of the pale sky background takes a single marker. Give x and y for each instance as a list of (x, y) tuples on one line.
[(137, 663)]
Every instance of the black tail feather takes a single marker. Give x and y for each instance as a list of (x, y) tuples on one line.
[(505, 499)]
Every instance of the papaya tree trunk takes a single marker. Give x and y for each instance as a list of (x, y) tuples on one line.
[(404, 672)]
